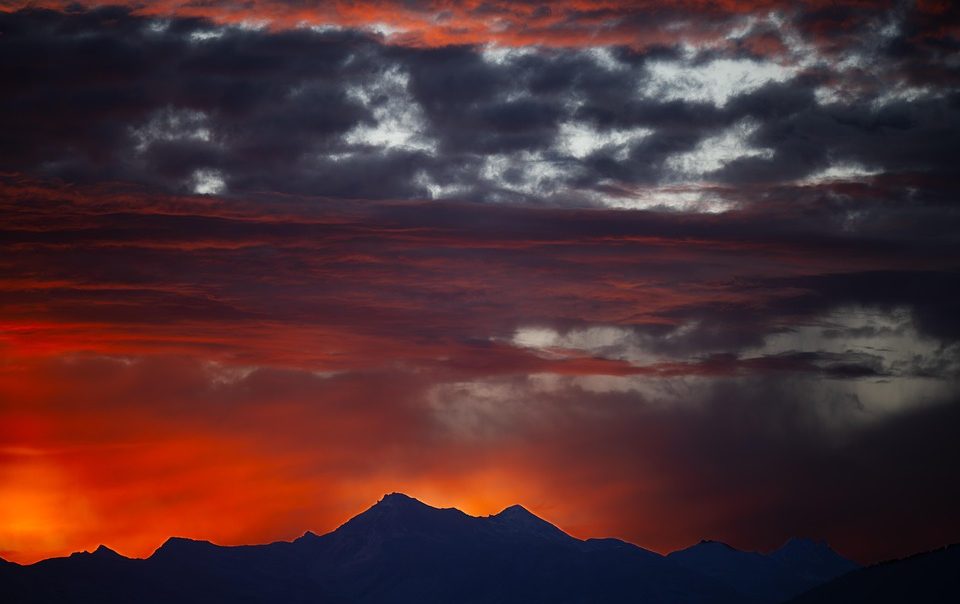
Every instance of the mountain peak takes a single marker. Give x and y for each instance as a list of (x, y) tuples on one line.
[(308, 537), (518, 519), (180, 545), (714, 543), (105, 552), (181, 541), (397, 514), (516, 510), (708, 546), (398, 499), (814, 557), (398, 503)]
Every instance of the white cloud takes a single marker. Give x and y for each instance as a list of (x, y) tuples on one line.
[(579, 140), (206, 34), (502, 55), (170, 124), (693, 198), (841, 172), (438, 190), (384, 29), (400, 123), (207, 182), (887, 333), (604, 58), (605, 341), (321, 28), (913, 369), (158, 26), (890, 337), (904, 93), (715, 82), (524, 172), (715, 152)]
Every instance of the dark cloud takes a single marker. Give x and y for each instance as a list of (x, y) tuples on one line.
[(188, 104)]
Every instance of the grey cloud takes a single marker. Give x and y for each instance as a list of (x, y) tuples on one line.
[(278, 109)]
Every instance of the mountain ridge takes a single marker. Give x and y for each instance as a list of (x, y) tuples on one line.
[(403, 550), (513, 511), (797, 566)]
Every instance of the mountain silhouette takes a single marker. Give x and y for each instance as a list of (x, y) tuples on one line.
[(928, 578), (401, 550), (813, 560), (798, 566)]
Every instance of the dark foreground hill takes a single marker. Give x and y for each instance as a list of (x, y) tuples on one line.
[(930, 578), (401, 550), (798, 566)]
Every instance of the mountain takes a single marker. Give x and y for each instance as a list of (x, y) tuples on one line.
[(749, 573), (813, 560), (400, 550), (793, 569), (930, 578)]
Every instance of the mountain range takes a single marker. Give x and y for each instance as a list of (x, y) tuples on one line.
[(402, 550)]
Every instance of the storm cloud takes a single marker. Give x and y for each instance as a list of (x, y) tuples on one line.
[(189, 104)]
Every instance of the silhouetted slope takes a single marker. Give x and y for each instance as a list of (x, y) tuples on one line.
[(813, 560), (749, 573), (930, 578), (794, 568), (399, 550), (81, 577)]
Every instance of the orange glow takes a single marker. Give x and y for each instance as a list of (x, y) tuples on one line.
[(215, 396), (41, 509)]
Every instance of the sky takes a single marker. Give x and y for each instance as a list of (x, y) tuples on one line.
[(659, 271)]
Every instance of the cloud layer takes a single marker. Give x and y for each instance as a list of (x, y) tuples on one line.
[(188, 104)]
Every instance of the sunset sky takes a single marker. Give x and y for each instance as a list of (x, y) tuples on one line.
[(664, 271)]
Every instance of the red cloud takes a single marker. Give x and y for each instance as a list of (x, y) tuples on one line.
[(637, 23)]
